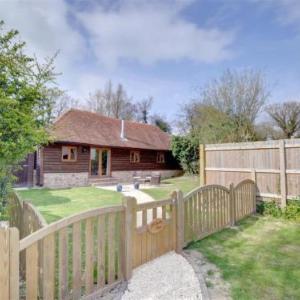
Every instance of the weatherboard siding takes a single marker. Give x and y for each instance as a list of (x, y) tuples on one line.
[(52, 162), (120, 160)]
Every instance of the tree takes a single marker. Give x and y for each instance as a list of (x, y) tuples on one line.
[(143, 109), (54, 103), (286, 116), (227, 108), (112, 103), (161, 123), (186, 150), (22, 82)]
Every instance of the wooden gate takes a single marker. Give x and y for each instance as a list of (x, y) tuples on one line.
[(154, 230)]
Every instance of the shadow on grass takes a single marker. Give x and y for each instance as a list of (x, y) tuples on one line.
[(43, 197)]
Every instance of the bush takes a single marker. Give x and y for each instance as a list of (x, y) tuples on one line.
[(290, 212), (186, 150)]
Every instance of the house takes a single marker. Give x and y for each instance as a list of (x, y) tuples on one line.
[(88, 148)]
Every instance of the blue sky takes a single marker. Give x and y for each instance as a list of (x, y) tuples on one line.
[(165, 49)]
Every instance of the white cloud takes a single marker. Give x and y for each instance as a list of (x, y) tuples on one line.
[(45, 28), (150, 32)]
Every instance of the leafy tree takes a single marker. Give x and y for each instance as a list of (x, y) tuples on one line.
[(286, 116), (186, 150), (22, 82), (54, 103), (227, 108), (161, 123)]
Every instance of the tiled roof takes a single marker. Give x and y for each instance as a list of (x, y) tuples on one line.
[(84, 127)]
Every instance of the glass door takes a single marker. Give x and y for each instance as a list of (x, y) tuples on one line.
[(95, 161), (104, 162), (100, 162)]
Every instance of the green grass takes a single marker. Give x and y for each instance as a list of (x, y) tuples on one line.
[(260, 258), (60, 203), (184, 183)]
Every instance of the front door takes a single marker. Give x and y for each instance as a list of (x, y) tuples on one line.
[(100, 162)]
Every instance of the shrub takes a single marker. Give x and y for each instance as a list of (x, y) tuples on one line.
[(186, 150), (290, 212)]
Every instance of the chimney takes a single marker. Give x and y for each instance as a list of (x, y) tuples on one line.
[(122, 130)]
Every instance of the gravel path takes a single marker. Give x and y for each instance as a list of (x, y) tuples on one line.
[(128, 190), (167, 277)]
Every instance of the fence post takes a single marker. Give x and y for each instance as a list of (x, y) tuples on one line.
[(130, 205), (9, 263), (254, 190), (202, 164), (232, 205), (282, 173), (179, 221)]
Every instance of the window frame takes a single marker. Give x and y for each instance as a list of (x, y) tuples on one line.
[(135, 152), (158, 158), (69, 153)]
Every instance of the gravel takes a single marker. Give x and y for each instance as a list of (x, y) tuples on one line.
[(168, 277)]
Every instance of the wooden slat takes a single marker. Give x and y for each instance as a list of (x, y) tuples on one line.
[(63, 263), (120, 227), (89, 256), (101, 252), (76, 252), (111, 248), (49, 267), (144, 238), (32, 272), (14, 263), (4, 263)]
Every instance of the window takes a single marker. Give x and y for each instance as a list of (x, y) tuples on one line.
[(160, 158), (134, 156), (69, 153)]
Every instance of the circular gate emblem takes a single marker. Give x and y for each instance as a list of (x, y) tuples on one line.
[(156, 225)]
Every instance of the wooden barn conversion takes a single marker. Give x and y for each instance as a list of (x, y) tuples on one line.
[(88, 148)]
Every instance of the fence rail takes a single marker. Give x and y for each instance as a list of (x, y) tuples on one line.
[(84, 254), (273, 165)]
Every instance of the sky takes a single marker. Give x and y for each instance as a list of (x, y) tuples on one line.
[(165, 49)]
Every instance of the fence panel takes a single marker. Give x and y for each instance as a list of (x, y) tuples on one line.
[(211, 208), (207, 210), (245, 199), (273, 165), (72, 264)]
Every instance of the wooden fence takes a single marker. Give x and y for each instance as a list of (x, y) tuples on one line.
[(273, 165), (24, 216), (210, 208), (84, 254)]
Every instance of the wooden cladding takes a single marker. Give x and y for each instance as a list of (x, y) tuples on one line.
[(121, 159), (147, 160), (53, 163)]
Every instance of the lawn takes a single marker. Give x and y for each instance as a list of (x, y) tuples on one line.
[(184, 183), (260, 258), (60, 203)]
